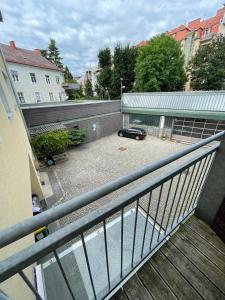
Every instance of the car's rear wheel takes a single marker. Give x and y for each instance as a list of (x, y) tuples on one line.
[(137, 137), (121, 134)]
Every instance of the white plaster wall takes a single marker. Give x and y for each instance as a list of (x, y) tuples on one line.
[(28, 88)]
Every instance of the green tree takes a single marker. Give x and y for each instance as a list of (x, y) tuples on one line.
[(160, 66), (207, 68), (44, 53), (123, 68), (88, 90), (104, 78), (68, 76), (53, 54)]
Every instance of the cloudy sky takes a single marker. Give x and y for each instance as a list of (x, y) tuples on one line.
[(82, 27)]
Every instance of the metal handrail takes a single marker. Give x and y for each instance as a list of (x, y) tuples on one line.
[(19, 230), (31, 254)]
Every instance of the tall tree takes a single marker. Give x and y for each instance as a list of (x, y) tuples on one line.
[(68, 75), (88, 90), (53, 54), (105, 76), (207, 68), (123, 70), (160, 66)]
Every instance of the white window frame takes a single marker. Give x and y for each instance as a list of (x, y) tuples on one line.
[(47, 79), (38, 97), (21, 97), (14, 75), (51, 96), (33, 77), (57, 78)]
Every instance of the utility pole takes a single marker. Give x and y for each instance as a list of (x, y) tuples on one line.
[(121, 87)]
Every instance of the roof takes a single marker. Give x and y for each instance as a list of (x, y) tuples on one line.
[(212, 102), (46, 128), (142, 43), (212, 23), (27, 57)]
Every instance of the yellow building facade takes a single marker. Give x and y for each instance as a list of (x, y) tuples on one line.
[(18, 178)]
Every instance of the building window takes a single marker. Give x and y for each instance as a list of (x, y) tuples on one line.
[(61, 96), (206, 31), (21, 97), (51, 97), (33, 77), (15, 75), (57, 79), (47, 79), (38, 97)]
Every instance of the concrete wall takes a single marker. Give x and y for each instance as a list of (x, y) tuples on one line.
[(99, 126), (35, 116), (16, 182), (28, 88)]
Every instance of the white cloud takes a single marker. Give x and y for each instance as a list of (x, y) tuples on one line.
[(82, 27)]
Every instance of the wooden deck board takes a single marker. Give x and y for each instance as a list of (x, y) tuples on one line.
[(191, 265), (173, 278), (204, 247), (154, 283), (134, 289), (120, 295)]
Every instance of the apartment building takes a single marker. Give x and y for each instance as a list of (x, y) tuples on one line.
[(198, 32), (91, 74), (18, 177), (35, 78)]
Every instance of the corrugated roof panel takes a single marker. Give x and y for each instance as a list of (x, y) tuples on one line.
[(199, 101)]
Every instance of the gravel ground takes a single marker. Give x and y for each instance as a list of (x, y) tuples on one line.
[(93, 164)]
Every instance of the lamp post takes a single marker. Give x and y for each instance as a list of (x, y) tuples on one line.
[(121, 87)]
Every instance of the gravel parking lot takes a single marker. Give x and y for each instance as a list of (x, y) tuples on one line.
[(99, 162)]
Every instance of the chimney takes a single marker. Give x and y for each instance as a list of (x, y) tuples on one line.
[(37, 51), (12, 45)]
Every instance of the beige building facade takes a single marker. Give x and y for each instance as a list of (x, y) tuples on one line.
[(18, 177)]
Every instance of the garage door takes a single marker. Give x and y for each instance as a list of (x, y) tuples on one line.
[(191, 130)]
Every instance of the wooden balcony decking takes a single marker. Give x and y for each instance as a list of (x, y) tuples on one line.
[(190, 266)]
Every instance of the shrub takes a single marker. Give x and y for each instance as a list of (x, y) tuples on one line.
[(77, 136), (50, 143)]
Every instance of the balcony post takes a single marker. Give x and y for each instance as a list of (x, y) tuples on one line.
[(214, 189)]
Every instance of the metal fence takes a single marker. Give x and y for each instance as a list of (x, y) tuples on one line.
[(146, 216)]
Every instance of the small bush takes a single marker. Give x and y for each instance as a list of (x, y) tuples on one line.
[(77, 136), (50, 143)]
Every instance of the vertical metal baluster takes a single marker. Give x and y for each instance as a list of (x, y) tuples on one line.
[(106, 253), (197, 184), (178, 202), (63, 274), (204, 176), (189, 184), (30, 285), (157, 210), (193, 185), (164, 211), (134, 238), (182, 205), (88, 265), (121, 270), (146, 222), (172, 205)]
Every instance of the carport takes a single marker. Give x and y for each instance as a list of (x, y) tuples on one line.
[(180, 116)]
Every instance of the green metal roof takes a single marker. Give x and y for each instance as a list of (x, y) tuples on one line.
[(200, 104)]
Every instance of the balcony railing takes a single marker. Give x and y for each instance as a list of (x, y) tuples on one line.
[(124, 233)]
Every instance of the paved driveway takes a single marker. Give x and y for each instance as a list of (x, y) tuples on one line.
[(96, 163)]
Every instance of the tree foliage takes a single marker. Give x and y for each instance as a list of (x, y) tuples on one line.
[(123, 68), (104, 78), (52, 53), (160, 66), (207, 68), (88, 90), (68, 75)]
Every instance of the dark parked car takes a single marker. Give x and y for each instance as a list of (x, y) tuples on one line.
[(134, 133)]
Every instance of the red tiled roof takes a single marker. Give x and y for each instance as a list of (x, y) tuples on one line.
[(198, 25), (142, 43), (26, 57)]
